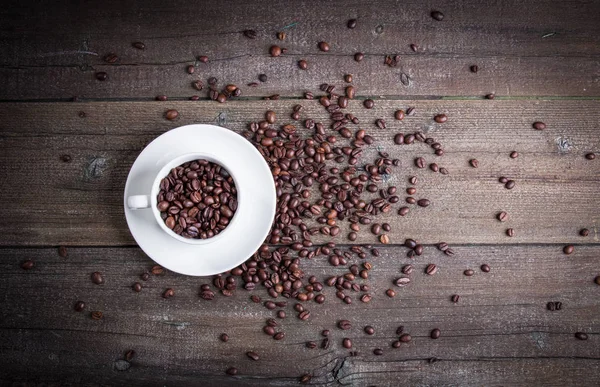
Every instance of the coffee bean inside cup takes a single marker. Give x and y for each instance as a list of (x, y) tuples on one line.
[(197, 199)]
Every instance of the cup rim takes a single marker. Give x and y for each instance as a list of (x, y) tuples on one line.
[(164, 171)]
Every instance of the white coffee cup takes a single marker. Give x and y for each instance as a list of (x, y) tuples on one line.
[(150, 202)]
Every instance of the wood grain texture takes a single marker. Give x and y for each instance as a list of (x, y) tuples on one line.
[(499, 333), (557, 191), (523, 48)]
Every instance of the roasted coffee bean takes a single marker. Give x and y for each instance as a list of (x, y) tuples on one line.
[(440, 118), (275, 51), (139, 45), (399, 115), (347, 343), (252, 355), (503, 180), (402, 281), (490, 96), (584, 232), (435, 333), (351, 23), (552, 306), (369, 330), (101, 76), (434, 167), (539, 125), (510, 184), (502, 216), (485, 268), (510, 232), (437, 15), (324, 46), (198, 85), (405, 338), (310, 345), (111, 58), (366, 298), (431, 269), (384, 239), (348, 78), (359, 56), (279, 336), (597, 280), (231, 371), (281, 35), (514, 155), (368, 103), (468, 272), (423, 202), (171, 114), (390, 293), (350, 92), (27, 265), (474, 163), (581, 336), (79, 306), (474, 69), (378, 352), (168, 293), (420, 162), (305, 378), (203, 59), (590, 156), (344, 325), (455, 298), (407, 269), (302, 64), (137, 287), (403, 211), (568, 249), (145, 276), (97, 278), (224, 337), (399, 139), (157, 270), (66, 158), (380, 123), (97, 315)]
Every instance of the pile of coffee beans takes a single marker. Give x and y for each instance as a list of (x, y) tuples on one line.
[(197, 199)]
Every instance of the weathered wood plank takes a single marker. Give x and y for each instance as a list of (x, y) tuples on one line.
[(67, 198), (499, 333), (522, 48)]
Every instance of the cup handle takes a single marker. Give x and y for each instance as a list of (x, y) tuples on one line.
[(138, 202)]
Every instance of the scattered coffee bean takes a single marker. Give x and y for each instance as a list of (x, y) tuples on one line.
[(390, 293), (437, 15), (474, 163), (590, 156), (347, 343), (431, 269), (490, 96), (399, 115), (539, 125), (168, 293), (66, 158), (111, 58), (157, 270), (351, 23), (468, 272), (568, 249), (252, 355), (305, 378), (344, 325), (27, 265), (584, 232), (231, 371), (510, 232), (554, 305), (485, 268), (348, 78), (79, 306), (423, 202), (139, 45), (420, 162), (414, 47), (369, 330), (474, 68), (171, 114), (359, 56), (203, 59), (514, 154), (224, 337), (281, 35), (279, 336), (440, 118), (510, 184), (581, 336), (303, 64), (368, 103), (597, 280), (377, 352), (435, 334), (129, 355), (137, 287), (502, 216), (324, 46), (405, 338), (384, 239), (97, 278), (455, 298), (97, 315), (101, 76), (275, 51)]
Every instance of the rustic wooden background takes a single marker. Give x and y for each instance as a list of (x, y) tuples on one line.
[(540, 58)]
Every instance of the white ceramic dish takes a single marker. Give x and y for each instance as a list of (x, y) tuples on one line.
[(252, 220)]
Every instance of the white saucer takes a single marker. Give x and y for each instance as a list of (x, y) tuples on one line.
[(241, 238)]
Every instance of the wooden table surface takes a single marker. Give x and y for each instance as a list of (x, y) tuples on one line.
[(540, 58)]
